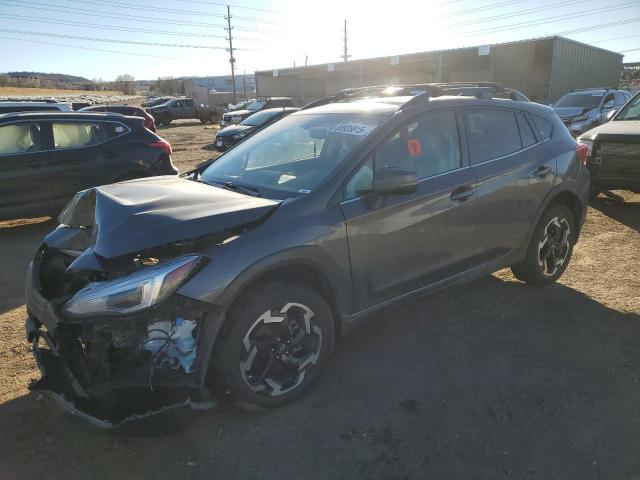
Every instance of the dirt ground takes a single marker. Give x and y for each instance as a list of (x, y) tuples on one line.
[(493, 379)]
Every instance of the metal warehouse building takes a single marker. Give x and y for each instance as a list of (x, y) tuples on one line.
[(543, 69)]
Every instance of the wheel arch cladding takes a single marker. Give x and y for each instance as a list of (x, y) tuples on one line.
[(302, 274), (572, 202)]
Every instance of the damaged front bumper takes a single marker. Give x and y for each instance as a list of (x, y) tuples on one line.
[(111, 370)]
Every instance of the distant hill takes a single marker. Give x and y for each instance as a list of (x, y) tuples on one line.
[(55, 77)]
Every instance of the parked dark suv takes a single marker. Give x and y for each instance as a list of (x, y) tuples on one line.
[(583, 109), (45, 158), (241, 274)]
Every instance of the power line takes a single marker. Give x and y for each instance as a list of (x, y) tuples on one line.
[(617, 38), (108, 40), (92, 49), (485, 7), (544, 21), (630, 50), (200, 2), (138, 6), (519, 12), (103, 14), (598, 27), (113, 27)]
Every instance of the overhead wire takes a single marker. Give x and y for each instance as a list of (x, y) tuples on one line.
[(111, 40), (27, 18), (93, 49)]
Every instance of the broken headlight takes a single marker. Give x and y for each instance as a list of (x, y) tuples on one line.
[(134, 292)]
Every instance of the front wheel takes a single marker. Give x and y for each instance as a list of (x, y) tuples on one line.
[(550, 248), (276, 342)]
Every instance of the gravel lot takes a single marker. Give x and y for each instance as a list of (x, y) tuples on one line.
[(493, 379)]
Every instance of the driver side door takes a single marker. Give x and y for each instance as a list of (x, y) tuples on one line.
[(401, 243)]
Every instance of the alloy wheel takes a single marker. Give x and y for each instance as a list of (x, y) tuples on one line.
[(554, 247), (280, 349)]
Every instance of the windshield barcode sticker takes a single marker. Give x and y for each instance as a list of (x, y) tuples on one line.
[(351, 129)]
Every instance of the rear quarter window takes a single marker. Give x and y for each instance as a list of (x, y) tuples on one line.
[(526, 134), (544, 127)]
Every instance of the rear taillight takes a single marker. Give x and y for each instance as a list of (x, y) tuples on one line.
[(162, 145), (582, 152)]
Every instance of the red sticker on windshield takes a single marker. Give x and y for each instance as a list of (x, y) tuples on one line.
[(414, 147)]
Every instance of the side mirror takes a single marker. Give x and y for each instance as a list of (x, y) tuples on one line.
[(611, 114), (394, 181)]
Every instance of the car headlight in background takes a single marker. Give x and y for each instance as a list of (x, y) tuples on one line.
[(239, 135), (132, 293)]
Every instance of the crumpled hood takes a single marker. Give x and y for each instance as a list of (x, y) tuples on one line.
[(567, 112), (232, 130), (143, 213)]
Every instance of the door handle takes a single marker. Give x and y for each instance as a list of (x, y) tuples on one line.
[(461, 194), (542, 171)]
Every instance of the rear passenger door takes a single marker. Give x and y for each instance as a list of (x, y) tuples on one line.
[(25, 183), (84, 155), (515, 171)]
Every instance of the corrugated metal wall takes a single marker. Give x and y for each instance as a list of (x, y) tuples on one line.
[(576, 65)]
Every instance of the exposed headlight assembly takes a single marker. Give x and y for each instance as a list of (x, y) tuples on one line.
[(132, 293), (580, 118), (240, 135)]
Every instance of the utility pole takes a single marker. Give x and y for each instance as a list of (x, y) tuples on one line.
[(244, 84), (345, 55), (232, 60)]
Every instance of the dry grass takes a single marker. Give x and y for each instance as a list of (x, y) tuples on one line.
[(10, 91)]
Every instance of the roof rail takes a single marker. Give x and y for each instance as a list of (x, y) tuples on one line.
[(593, 88)]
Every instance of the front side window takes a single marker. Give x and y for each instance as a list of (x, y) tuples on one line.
[(293, 155), (84, 134), (427, 145), (631, 111), (20, 138), (492, 134), (620, 99)]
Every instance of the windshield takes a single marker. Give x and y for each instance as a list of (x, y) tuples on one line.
[(259, 118), (582, 100), (257, 105), (294, 155), (631, 111)]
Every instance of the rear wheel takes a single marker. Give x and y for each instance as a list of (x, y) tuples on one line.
[(550, 248), (276, 341)]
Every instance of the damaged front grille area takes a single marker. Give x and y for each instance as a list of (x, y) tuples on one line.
[(156, 348)]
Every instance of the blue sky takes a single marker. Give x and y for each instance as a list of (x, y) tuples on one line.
[(36, 34)]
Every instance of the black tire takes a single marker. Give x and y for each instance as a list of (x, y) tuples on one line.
[(550, 248), (241, 372)]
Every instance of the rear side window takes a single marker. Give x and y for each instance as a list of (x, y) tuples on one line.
[(526, 134), (543, 127), (20, 138), (492, 134), (84, 134)]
